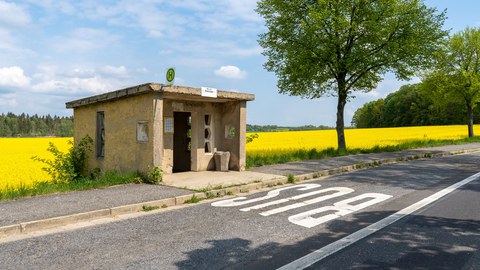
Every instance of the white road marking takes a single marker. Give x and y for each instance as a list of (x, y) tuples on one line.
[(271, 194), (341, 208), (340, 191), (305, 219), (301, 196), (336, 246)]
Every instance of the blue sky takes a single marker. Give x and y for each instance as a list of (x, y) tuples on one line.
[(54, 51)]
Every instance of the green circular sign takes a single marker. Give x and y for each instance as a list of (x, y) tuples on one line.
[(170, 75)]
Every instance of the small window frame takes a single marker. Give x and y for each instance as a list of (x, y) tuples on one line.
[(100, 135), (208, 138)]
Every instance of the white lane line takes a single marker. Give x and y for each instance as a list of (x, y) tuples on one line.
[(338, 245)]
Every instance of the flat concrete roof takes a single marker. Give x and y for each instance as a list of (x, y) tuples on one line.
[(169, 92)]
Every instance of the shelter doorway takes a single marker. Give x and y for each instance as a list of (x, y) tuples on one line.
[(182, 141)]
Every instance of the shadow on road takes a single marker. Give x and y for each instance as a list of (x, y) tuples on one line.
[(416, 242)]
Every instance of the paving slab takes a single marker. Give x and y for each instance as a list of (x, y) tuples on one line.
[(213, 179)]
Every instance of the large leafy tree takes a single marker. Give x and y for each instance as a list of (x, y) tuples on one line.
[(457, 75), (336, 47)]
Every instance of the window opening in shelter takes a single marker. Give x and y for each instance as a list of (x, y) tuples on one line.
[(208, 133), (100, 142), (189, 133), (230, 132)]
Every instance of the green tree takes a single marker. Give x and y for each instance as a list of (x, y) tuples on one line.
[(411, 105), (435, 108), (370, 115), (400, 106), (65, 128), (457, 75), (322, 47)]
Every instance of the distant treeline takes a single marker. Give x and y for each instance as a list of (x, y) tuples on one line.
[(25, 125), (412, 105), (269, 128)]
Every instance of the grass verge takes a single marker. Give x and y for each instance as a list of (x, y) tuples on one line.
[(42, 188), (194, 199), (277, 157), (148, 208)]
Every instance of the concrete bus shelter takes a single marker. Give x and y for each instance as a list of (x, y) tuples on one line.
[(175, 128)]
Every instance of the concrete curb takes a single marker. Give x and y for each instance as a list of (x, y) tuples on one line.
[(49, 223)]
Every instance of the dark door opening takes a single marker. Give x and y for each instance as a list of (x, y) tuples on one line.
[(182, 144)]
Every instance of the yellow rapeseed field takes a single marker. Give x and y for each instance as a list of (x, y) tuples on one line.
[(16, 165), (356, 138)]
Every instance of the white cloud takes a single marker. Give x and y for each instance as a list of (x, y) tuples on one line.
[(243, 9), (85, 39), (150, 16), (142, 70), (74, 86), (57, 7), (230, 72), (217, 48), (370, 94), (193, 61), (82, 72), (253, 51), (14, 22), (8, 100), (120, 71), (165, 52), (13, 15), (196, 5), (13, 77), (78, 80)]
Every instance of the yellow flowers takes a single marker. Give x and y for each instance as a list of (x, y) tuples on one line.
[(356, 138), (16, 166)]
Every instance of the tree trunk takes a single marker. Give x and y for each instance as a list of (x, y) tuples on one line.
[(470, 122), (342, 100)]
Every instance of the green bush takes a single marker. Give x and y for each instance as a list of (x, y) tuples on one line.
[(154, 176), (291, 178), (70, 166)]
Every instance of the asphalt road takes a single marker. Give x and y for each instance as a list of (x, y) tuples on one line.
[(268, 230), (443, 236)]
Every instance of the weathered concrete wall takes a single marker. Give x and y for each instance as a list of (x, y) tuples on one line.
[(157, 127), (234, 132), (122, 151)]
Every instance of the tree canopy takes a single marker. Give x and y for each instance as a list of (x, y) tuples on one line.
[(411, 105), (24, 125), (336, 47), (457, 73)]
